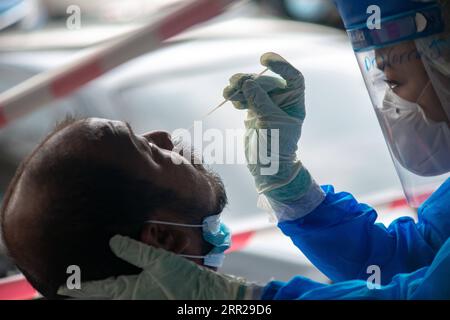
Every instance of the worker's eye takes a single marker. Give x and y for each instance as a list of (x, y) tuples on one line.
[(392, 84)]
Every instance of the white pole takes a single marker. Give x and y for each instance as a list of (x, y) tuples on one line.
[(46, 87)]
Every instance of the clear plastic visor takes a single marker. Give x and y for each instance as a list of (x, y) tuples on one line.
[(409, 84)]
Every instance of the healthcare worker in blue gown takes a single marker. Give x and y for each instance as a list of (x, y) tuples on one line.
[(405, 61)]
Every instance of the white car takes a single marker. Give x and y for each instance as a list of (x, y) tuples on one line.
[(169, 89)]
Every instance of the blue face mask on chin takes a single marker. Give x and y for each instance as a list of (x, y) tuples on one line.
[(214, 232)]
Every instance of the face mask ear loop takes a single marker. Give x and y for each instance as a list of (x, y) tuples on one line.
[(174, 224), (191, 256), (423, 92), (179, 225), (424, 116)]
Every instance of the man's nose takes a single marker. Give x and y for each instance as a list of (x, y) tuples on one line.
[(161, 138)]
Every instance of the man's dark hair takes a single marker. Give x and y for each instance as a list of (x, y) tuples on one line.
[(77, 206)]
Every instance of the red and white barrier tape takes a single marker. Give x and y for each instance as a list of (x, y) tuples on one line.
[(17, 288), (49, 86)]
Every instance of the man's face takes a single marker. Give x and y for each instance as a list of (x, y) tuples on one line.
[(149, 157)]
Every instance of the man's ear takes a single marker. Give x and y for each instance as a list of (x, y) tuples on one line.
[(165, 237)]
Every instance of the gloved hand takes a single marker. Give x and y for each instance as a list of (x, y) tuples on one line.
[(274, 103), (164, 276)]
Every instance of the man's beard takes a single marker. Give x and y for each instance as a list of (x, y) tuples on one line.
[(214, 180)]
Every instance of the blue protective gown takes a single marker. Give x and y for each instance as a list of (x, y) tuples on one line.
[(341, 238)]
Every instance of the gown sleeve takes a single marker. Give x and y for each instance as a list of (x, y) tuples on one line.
[(432, 282), (340, 237)]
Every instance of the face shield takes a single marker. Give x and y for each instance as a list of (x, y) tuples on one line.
[(405, 62)]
